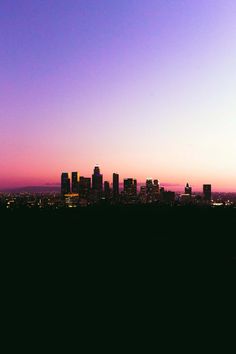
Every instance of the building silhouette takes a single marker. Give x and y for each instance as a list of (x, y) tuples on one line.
[(149, 185), (74, 182), (84, 187), (207, 192), (157, 186), (130, 187), (129, 194), (107, 190), (65, 183), (115, 185), (188, 189), (149, 190), (97, 179), (85, 191)]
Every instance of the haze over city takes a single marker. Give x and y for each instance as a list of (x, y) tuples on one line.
[(144, 88)]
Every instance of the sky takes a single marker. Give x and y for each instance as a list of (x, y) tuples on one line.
[(145, 88)]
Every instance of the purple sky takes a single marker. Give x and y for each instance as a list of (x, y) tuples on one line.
[(145, 88)]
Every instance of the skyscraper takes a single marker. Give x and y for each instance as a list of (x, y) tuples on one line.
[(149, 185), (149, 190), (74, 182), (207, 192), (188, 189), (115, 184), (129, 194), (130, 186), (84, 186), (107, 191), (97, 179), (65, 183), (156, 183)]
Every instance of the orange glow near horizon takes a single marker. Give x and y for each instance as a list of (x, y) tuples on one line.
[(144, 88), (171, 183)]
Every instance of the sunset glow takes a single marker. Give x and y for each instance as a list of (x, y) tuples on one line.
[(141, 87)]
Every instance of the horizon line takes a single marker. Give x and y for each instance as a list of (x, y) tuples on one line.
[(164, 184)]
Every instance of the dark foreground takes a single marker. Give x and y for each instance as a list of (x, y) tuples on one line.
[(136, 236), (116, 265), (102, 273)]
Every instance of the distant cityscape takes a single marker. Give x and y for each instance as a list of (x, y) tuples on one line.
[(81, 191), (92, 190)]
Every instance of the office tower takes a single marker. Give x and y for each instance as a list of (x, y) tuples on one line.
[(156, 190), (130, 186), (162, 191), (115, 185), (149, 190), (74, 182), (157, 185), (84, 186), (188, 189), (97, 179), (143, 195), (107, 191), (207, 192), (149, 185), (167, 197), (129, 194), (65, 183)]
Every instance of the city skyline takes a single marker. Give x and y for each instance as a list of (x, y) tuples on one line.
[(177, 187), (117, 183), (145, 88)]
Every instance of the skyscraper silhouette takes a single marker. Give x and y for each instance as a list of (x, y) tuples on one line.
[(97, 179), (115, 186), (65, 183), (74, 182), (107, 191), (84, 186), (156, 187), (207, 192), (149, 186), (188, 189), (130, 186)]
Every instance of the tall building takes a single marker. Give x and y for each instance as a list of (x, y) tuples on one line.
[(188, 189), (84, 186), (129, 194), (149, 190), (107, 191), (156, 188), (149, 185), (97, 179), (115, 185), (157, 185), (130, 186), (65, 183), (74, 182), (207, 192)]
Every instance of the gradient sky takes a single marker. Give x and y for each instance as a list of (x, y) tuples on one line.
[(146, 88)]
